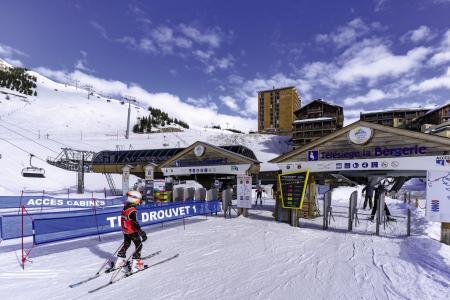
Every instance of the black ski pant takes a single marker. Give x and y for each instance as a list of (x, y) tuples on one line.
[(258, 196), (367, 199), (375, 205), (127, 238)]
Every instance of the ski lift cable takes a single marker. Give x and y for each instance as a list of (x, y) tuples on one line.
[(20, 148), (30, 131), (29, 138)]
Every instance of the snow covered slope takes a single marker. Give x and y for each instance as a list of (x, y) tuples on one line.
[(246, 258), (62, 116)]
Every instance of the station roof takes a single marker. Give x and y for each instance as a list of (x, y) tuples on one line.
[(156, 156)]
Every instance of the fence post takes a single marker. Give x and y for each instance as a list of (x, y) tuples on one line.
[(42, 203), (95, 215), (23, 257), (325, 212), (350, 214), (68, 196), (408, 228)]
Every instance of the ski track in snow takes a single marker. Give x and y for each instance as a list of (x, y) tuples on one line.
[(245, 258)]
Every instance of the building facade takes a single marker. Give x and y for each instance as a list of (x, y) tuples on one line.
[(315, 120), (416, 119), (435, 116), (399, 118), (276, 109)]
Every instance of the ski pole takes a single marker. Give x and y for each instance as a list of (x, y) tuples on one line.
[(109, 259)]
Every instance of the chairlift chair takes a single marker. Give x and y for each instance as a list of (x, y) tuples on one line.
[(33, 171)]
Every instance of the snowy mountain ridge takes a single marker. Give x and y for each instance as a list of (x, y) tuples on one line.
[(61, 116)]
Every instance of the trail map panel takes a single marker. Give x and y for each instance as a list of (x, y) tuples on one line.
[(244, 191), (293, 187), (438, 196)]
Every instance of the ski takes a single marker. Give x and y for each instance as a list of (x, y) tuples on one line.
[(143, 258), (133, 273), (109, 271)]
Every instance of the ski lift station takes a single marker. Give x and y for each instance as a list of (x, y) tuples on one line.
[(372, 154), (359, 154)]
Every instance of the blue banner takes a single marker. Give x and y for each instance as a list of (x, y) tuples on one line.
[(57, 229), (11, 224), (48, 201)]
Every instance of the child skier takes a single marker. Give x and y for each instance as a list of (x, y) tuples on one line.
[(131, 232)]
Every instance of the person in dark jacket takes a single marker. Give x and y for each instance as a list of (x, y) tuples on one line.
[(369, 196), (132, 232), (378, 192)]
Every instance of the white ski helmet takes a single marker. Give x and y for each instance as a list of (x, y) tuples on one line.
[(134, 197)]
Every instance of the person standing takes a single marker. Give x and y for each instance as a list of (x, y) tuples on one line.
[(132, 232), (368, 189), (259, 191), (378, 192)]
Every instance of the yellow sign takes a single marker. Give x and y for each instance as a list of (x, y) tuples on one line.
[(293, 187)]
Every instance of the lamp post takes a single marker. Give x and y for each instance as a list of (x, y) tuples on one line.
[(129, 99)]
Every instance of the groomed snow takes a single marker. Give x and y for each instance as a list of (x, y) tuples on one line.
[(247, 258)]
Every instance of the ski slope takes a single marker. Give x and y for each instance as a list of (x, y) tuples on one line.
[(246, 258), (61, 115)]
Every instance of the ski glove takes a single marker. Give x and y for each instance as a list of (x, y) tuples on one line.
[(143, 235)]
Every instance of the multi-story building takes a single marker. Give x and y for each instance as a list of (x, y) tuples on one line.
[(399, 117), (315, 120), (276, 109), (435, 116)]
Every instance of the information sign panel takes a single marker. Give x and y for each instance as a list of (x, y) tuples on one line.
[(293, 187)]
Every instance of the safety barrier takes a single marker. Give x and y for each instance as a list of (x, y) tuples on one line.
[(57, 229), (44, 201), (11, 224)]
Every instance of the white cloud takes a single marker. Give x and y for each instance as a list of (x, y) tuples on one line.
[(347, 34), (374, 95), (421, 34), (100, 29), (210, 38), (230, 102), (147, 45), (82, 63), (380, 5), (376, 62), (170, 103), (14, 62), (225, 62), (442, 54), (440, 82), (9, 54)]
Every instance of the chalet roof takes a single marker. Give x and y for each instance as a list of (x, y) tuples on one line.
[(437, 108), (313, 120), (277, 89), (399, 109), (158, 156), (346, 129), (320, 101)]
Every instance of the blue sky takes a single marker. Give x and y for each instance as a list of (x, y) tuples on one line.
[(215, 55)]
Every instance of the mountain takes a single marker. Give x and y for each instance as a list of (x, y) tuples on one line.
[(61, 115)]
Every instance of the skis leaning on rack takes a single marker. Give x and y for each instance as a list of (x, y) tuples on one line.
[(109, 270), (129, 274)]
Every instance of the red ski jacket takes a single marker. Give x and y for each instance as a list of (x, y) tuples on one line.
[(127, 222)]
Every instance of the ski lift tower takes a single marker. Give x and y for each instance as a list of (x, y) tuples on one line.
[(74, 160), (129, 99)]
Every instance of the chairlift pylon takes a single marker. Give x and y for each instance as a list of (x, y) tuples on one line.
[(33, 171)]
